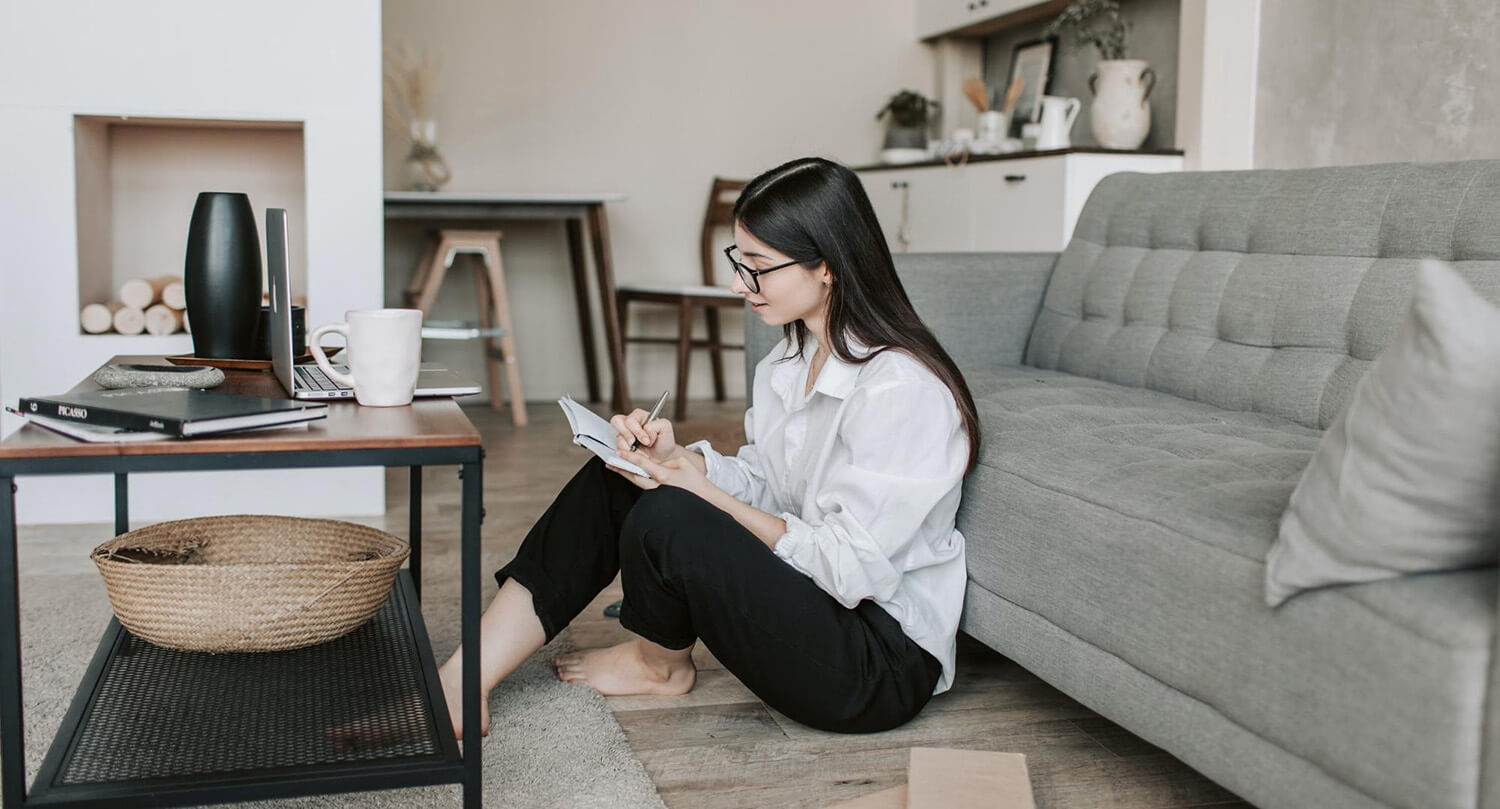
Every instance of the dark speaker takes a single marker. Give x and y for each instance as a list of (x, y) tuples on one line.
[(221, 276)]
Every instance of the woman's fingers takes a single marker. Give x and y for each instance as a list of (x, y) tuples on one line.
[(644, 483), (647, 463), (631, 426), (663, 442), (618, 422), (658, 428)]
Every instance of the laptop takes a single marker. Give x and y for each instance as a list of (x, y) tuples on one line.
[(309, 381)]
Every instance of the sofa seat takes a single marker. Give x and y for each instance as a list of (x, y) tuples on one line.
[(1139, 522)]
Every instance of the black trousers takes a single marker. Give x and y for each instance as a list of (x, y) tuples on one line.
[(690, 572)]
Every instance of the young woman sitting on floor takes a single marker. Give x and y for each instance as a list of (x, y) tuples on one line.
[(820, 564)]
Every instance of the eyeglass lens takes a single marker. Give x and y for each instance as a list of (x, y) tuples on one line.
[(747, 278)]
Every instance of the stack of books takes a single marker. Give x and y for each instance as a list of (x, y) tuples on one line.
[(159, 414)]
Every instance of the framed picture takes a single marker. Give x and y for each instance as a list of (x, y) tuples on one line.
[(1031, 61)]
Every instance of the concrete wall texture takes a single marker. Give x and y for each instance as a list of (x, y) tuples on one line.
[(1348, 81)]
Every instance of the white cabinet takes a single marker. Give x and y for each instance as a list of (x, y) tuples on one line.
[(1007, 205), (938, 17), (1017, 205), (915, 208)]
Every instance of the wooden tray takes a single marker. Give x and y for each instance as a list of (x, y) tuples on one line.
[(246, 365)]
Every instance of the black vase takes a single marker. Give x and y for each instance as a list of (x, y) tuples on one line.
[(221, 276)]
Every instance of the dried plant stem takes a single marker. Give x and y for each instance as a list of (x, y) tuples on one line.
[(411, 77)]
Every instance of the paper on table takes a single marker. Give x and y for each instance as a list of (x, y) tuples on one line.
[(92, 433), (594, 434), (100, 434)]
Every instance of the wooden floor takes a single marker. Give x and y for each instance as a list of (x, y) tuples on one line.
[(720, 746)]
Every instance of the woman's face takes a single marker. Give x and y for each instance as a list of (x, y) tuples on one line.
[(786, 295)]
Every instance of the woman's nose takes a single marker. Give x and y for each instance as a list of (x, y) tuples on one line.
[(737, 285)]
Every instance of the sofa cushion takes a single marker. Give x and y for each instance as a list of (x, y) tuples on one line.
[(1405, 480), (1139, 522), (1268, 291)]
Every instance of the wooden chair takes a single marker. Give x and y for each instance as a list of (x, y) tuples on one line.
[(710, 297), (495, 325)]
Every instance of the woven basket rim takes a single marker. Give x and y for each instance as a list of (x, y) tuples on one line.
[(161, 594), (385, 544)]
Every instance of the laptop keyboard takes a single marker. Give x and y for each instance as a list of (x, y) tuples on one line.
[(313, 378)]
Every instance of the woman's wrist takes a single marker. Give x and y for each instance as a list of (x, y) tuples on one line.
[(695, 458)]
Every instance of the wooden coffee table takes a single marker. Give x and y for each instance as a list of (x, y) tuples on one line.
[(151, 726)]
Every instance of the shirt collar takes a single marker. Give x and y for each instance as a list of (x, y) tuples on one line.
[(836, 379)]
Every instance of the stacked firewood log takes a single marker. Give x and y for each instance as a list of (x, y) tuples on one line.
[(150, 305)]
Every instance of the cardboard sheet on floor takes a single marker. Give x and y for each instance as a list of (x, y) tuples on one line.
[(893, 798), (939, 778), (967, 779)]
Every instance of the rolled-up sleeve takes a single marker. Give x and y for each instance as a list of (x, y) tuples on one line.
[(908, 453)]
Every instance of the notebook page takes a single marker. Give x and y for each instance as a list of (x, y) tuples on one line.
[(594, 434)]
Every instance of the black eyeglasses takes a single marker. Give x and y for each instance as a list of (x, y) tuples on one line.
[(749, 274)]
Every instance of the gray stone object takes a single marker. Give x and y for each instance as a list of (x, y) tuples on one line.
[(117, 376), (1148, 399)]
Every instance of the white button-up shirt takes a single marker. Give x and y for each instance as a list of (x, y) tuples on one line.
[(867, 470)]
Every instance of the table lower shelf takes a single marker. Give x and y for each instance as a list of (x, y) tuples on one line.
[(157, 727)]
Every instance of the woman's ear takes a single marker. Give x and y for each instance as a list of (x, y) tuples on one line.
[(824, 275)]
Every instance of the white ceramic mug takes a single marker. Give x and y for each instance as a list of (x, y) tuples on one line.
[(385, 354)]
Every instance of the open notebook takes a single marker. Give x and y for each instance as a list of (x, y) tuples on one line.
[(595, 435)]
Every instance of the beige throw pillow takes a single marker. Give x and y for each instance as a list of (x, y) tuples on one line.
[(1407, 479)]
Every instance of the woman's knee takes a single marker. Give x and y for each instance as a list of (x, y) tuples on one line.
[(664, 515)]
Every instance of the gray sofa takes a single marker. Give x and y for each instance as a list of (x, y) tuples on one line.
[(1149, 398)]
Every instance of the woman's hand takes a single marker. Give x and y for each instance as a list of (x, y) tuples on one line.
[(678, 472), (656, 437)]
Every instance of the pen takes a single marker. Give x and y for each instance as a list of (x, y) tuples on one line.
[(634, 445)]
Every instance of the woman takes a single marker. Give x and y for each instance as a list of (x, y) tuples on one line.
[(820, 564)]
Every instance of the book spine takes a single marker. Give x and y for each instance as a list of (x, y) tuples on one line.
[(103, 416)]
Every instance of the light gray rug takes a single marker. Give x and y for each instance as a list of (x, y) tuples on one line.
[(551, 744)]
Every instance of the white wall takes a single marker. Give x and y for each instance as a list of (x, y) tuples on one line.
[(235, 59), (649, 99), (1218, 51), (156, 173)]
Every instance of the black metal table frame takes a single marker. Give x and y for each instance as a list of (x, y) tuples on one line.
[(348, 778)]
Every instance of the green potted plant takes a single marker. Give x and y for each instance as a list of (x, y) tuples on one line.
[(910, 112), (1121, 113)]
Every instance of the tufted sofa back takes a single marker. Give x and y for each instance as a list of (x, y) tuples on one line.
[(1263, 291)]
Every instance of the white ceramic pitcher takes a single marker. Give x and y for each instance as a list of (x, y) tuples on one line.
[(1058, 115)]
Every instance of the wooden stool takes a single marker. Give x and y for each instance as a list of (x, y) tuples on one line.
[(494, 305)]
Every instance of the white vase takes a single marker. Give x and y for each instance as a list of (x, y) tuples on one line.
[(1121, 113), (425, 169)]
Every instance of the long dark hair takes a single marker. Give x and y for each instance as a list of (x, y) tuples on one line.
[(815, 210)]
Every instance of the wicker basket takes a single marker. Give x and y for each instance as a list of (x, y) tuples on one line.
[(248, 583)]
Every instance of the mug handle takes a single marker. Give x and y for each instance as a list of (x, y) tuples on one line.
[(315, 345)]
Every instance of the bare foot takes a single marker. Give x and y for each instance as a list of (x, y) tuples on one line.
[(452, 678), (373, 732), (625, 669)]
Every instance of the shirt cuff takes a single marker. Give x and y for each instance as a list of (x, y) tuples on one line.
[(797, 535), (713, 462)]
